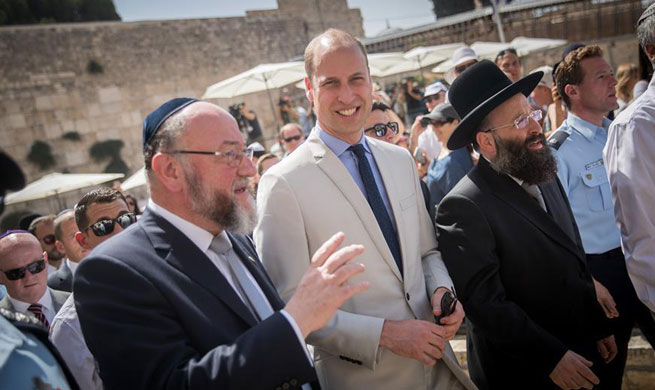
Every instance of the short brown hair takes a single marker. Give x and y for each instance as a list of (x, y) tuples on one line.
[(99, 195), (45, 219), (333, 34), (569, 70)]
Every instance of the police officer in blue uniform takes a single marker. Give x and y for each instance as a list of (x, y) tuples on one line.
[(587, 85)]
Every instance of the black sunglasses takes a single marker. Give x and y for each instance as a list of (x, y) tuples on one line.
[(294, 138), (106, 226), (381, 128), (49, 239), (19, 273)]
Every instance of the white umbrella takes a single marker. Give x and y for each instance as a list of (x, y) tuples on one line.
[(523, 46), (424, 56), (57, 183), (138, 179), (262, 77)]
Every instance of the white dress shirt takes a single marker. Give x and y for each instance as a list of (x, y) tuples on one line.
[(48, 308), (630, 164), (429, 142), (203, 239), (66, 335)]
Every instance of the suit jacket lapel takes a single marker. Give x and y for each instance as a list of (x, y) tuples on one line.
[(182, 254), (330, 164), (251, 261), (517, 198)]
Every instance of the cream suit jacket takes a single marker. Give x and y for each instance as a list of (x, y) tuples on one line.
[(309, 196)]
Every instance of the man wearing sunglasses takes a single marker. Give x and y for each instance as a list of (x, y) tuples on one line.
[(180, 299), (23, 272), (291, 136), (101, 213), (43, 228)]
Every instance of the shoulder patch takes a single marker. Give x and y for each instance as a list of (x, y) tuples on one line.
[(557, 139), (15, 316)]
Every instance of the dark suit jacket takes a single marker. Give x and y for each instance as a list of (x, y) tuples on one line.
[(62, 279), (58, 299), (522, 277), (157, 314)]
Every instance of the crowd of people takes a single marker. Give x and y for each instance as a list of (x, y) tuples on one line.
[(350, 258)]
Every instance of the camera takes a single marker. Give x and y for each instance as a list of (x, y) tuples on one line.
[(235, 110), (425, 122)]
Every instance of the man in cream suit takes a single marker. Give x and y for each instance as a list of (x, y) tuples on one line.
[(339, 180)]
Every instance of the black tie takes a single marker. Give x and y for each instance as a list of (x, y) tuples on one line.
[(377, 205)]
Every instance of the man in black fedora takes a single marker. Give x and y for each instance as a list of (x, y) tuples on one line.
[(510, 242)]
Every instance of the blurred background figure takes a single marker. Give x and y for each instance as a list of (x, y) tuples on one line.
[(542, 97), (263, 163), (509, 62), (462, 58), (291, 136), (132, 204), (627, 76), (450, 166), (65, 230), (413, 99), (379, 124), (247, 121), (43, 228)]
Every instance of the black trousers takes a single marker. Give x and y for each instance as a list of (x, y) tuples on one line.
[(609, 269)]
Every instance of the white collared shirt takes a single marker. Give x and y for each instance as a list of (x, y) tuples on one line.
[(203, 239), (46, 301), (66, 335), (72, 265)]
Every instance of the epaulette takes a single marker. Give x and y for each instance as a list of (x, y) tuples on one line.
[(17, 317), (557, 139)]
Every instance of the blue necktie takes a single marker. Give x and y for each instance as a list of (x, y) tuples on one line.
[(377, 205)]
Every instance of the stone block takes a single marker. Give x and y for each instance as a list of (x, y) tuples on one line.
[(76, 157), (52, 131), (43, 103), (109, 95), (16, 121), (11, 106), (93, 110), (111, 108)]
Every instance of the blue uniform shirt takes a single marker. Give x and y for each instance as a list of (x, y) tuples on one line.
[(581, 170)]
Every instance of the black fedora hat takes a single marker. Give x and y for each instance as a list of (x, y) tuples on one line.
[(476, 92)]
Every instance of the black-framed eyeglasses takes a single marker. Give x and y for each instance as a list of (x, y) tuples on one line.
[(233, 158), (106, 226), (19, 273), (49, 239), (520, 123), (294, 138), (381, 128)]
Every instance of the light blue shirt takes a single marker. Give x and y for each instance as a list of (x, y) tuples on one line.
[(582, 172), (349, 160)]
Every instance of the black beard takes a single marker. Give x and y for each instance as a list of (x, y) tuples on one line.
[(515, 159)]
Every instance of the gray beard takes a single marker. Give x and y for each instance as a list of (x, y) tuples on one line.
[(220, 207), (515, 159)]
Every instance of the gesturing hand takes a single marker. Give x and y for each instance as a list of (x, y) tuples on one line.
[(414, 339), (323, 288), (573, 372)]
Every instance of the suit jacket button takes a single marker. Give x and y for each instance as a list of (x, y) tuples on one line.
[(407, 296), (294, 382), (285, 386)]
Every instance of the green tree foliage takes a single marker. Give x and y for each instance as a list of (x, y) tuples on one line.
[(41, 155), (110, 150), (56, 11)]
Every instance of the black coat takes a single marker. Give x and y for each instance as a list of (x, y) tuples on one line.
[(522, 277), (157, 314), (61, 279)]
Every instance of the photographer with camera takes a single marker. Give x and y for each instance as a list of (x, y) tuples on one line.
[(247, 121), (286, 112)]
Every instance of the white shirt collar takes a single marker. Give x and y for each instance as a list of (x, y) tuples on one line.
[(199, 236), (72, 265), (45, 301)]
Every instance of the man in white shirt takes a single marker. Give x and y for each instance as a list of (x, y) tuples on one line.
[(630, 164), (65, 230), (101, 213), (23, 272)]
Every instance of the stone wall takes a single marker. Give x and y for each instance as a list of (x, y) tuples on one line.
[(46, 89)]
